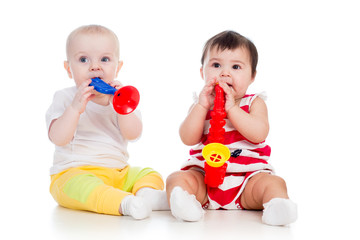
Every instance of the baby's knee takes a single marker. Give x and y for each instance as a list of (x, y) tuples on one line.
[(188, 177), (276, 180), (274, 185), (173, 177), (191, 181), (265, 181)]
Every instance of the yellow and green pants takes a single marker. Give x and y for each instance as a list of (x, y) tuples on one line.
[(100, 189)]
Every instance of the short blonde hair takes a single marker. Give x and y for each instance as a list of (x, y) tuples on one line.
[(91, 29)]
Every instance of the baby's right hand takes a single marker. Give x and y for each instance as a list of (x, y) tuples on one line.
[(83, 96), (206, 96)]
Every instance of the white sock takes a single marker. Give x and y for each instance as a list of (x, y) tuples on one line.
[(279, 211), (135, 207), (185, 206), (157, 199)]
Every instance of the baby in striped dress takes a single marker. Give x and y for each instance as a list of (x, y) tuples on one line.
[(230, 60)]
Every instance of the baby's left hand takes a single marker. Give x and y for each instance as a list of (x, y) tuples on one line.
[(229, 95), (116, 84)]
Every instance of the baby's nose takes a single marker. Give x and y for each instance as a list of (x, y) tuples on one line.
[(225, 74), (95, 67)]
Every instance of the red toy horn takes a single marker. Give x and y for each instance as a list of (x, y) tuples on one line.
[(126, 100)]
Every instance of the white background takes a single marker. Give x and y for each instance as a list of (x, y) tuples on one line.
[(308, 64)]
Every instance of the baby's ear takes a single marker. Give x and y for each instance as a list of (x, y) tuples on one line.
[(253, 77), (201, 73), (120, 64), (67, 68)]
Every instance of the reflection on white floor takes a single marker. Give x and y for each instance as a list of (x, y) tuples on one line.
[(215, 225), (32, 212)]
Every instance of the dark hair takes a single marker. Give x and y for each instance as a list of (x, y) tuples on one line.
[(232, 40)]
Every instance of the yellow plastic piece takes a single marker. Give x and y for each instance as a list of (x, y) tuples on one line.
[(216, 154)]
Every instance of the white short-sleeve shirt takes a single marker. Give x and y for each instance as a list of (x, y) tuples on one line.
[(97, 140)]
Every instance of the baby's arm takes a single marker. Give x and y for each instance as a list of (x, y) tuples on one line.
[(62, 129), (130, 126), (254, 126), (191, 130)]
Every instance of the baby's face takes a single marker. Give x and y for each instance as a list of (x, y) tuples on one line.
[(93, 55), (231, 66)]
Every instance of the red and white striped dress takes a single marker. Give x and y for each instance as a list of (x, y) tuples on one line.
[(247, 159)]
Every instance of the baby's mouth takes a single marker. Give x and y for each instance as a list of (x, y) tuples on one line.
[(230, 85), (96, 75)]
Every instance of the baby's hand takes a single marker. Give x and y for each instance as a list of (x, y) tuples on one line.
[(229, 95), (206, 96), (83, 95), (116, 84)]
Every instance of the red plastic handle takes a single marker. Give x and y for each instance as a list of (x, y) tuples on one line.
[(217, 122)]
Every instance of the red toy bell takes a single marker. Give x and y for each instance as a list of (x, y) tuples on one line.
[(126, 99)]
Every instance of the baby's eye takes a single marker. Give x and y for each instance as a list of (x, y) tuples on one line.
[(84, 59), (216, 65), (105, 59), (236, 67)]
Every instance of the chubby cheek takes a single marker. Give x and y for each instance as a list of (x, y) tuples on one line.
[(239, 90), (210, 75), (80, 79), (78, 75), (110, 75)]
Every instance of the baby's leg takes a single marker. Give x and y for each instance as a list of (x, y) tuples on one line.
[(186, 193), (150, 188), (269, 192), (157, 199), (83, 190), (147, 187)]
